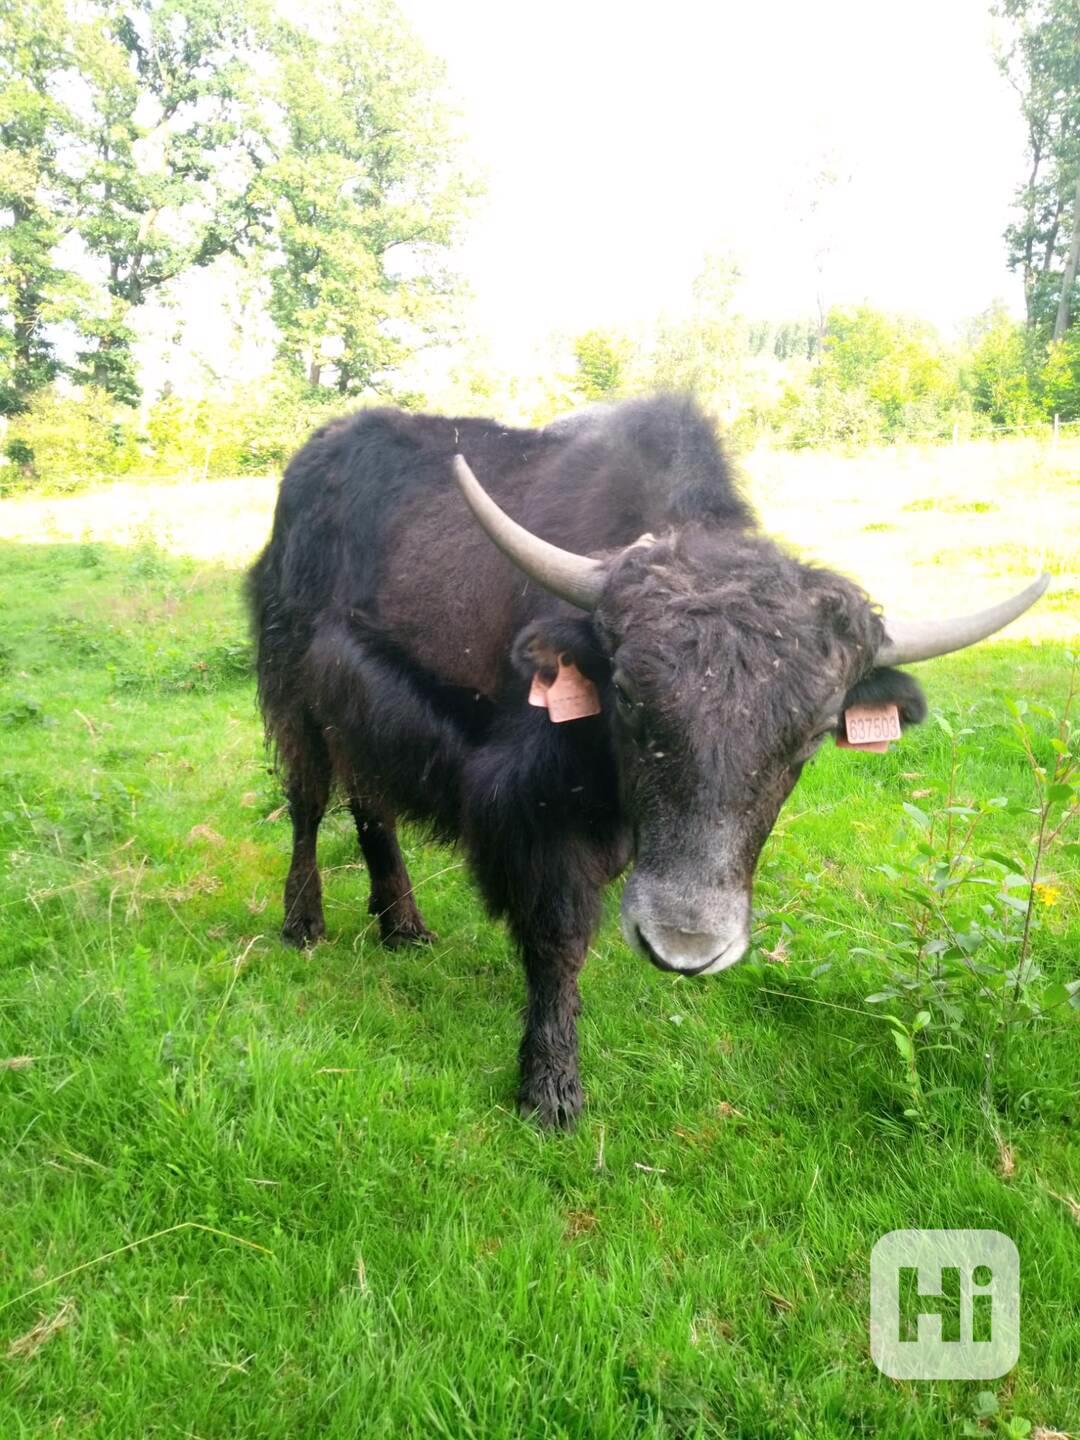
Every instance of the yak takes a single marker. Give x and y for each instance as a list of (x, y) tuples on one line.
[(682, 668)]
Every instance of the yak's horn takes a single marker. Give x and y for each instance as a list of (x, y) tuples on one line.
[(576, 578), (910, 640)]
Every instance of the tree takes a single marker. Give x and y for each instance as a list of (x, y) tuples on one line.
[(879, 377), (173, 147), (36, 197), (899, 362), (817, 199), (601, 361), (1042, 62), (367, 195), (705, 352), (999, 370)]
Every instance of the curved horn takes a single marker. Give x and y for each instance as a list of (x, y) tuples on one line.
[(910, 640), (575, 578)]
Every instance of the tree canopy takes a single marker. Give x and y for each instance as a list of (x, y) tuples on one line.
[(38, 195), (1042, 63), (145, 138), (365, 195)]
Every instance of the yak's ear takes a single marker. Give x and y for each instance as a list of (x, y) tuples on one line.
[(890, 687), (540, 645)]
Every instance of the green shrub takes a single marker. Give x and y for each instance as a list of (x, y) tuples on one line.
[(66, 438), (1059, 378), (963, 950), (879, 378), (827, 414), (999, 375), (69, 438), (601, 360)]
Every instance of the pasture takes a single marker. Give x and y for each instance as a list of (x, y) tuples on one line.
[(256, 1193)]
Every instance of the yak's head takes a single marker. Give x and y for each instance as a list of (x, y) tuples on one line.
[(723, 663)]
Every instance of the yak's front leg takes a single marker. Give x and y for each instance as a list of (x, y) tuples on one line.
[(542, 846), (550, 1081), (554, 939)]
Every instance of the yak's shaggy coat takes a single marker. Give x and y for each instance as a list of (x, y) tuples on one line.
[(396, 647)]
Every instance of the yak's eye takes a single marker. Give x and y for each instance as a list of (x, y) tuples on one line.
[(811, 746), (629, 708)]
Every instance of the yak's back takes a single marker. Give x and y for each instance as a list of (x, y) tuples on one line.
[(641, 465), (590, 482)]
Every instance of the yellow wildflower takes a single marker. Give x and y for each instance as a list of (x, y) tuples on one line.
[(1048, 894)]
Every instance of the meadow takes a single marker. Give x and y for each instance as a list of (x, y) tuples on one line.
[(257, 1193)]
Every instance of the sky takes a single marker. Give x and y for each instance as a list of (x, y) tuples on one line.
[(622, 142)]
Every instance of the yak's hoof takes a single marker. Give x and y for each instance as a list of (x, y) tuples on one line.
[(411, 934), (554, 1101), (400, 923), (301, 931)]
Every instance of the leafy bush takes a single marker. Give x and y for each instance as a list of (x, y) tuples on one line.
[(999, 374), (1059, 378), (68, 438), (252, 431), (879, 378), (601, 360), (826, 414), (965, 969), (65, 438)]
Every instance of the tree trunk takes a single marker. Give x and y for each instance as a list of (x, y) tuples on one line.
[(314, 374), (25, 307), (101, 367), (1068, 279), (1051, 239), (26, 322), (1035, 145)]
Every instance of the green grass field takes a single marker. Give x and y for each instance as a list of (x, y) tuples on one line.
[(254, 1193)]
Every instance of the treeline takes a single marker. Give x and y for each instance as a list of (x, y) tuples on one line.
[(861, 377), (883, 378), (869, 378), (142, 141)]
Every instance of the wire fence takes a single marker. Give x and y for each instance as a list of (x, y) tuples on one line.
[(959, 432), (1036, 429)]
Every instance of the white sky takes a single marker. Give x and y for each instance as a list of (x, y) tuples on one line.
[(624, 141)]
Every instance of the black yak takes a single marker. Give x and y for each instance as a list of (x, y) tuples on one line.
[(402, 632)]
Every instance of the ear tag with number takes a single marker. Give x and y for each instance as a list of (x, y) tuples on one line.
[(870, 728), (570, 696)]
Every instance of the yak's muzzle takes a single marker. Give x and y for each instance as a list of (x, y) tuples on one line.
[(686, 932)]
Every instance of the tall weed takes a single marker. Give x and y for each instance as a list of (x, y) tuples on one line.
[(966, 964)]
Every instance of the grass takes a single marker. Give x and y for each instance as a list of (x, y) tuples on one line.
[(355, 1235)]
